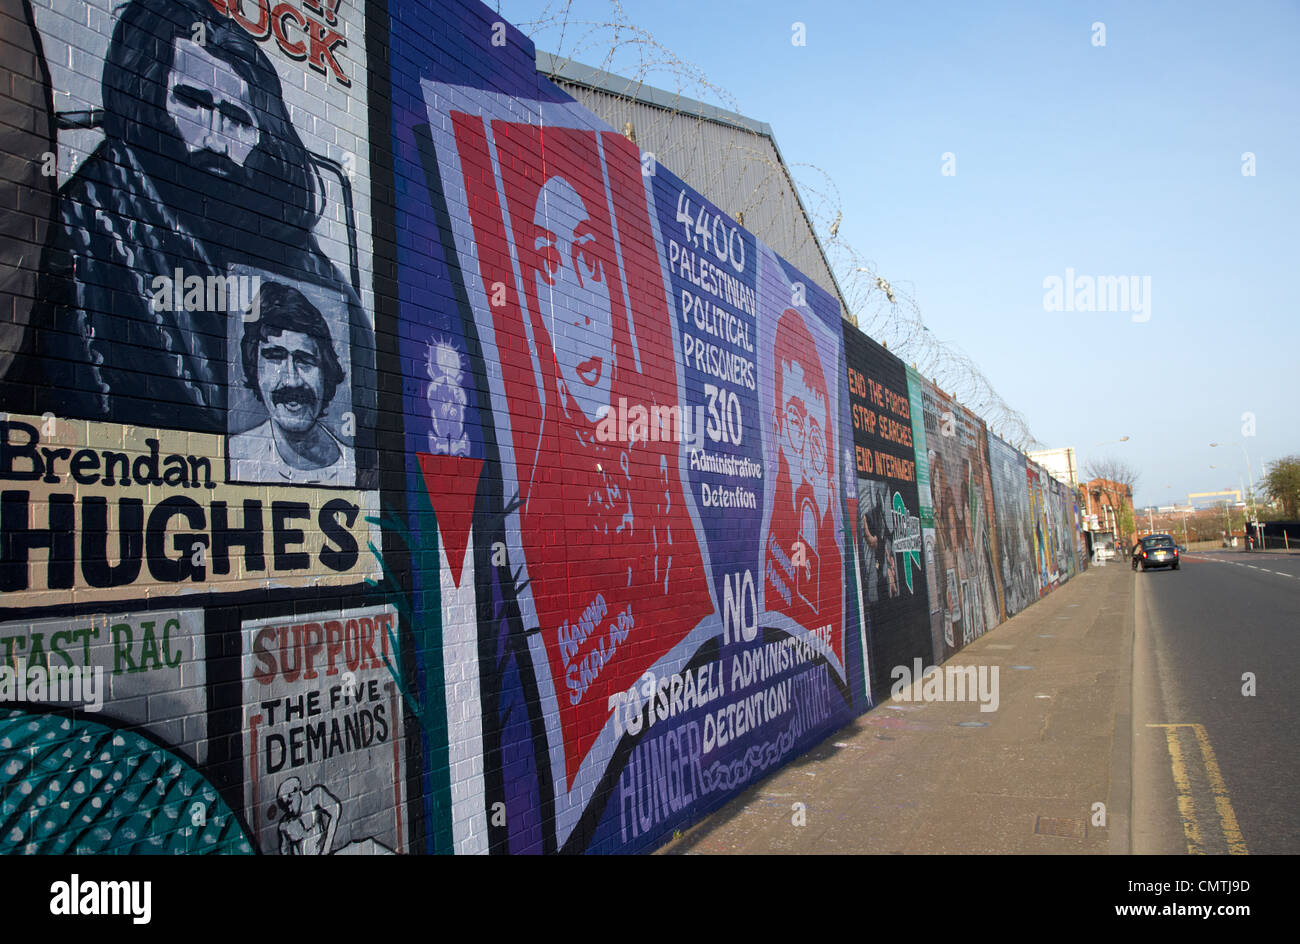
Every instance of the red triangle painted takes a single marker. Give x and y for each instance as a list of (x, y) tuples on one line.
[(452, 482)]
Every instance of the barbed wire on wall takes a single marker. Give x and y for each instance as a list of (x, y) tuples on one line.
[(763, 194), (889, 313), (650, 62)]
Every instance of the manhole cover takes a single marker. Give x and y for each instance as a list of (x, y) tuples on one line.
[(1057, 826)]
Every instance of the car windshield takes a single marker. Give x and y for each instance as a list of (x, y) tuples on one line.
[(1159, 541)]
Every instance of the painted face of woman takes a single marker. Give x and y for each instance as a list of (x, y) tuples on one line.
[(574, 296)]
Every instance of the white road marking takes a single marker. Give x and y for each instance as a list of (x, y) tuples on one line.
[(1263, 570)]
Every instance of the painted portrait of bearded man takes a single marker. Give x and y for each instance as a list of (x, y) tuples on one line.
[(200, 174)]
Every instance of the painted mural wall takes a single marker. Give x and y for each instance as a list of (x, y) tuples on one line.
[(1054, 512), (1015, 525), (968, 592), (395, 459), (890, 560)]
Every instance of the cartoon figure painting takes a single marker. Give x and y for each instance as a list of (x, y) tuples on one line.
[(308, 818), (447, 400)]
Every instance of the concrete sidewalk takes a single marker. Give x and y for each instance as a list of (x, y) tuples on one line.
[(908, 778)]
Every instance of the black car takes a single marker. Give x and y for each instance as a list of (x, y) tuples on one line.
[(1156, 550)]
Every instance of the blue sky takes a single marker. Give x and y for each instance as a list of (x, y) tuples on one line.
[(1115, 160)]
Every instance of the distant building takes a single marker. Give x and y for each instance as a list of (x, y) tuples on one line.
[(1104, 502), (1203, 500)]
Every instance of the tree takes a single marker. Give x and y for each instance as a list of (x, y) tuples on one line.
[(1282, 485), (1112, 486)]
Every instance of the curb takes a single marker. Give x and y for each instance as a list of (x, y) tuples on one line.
[(1121, 748)]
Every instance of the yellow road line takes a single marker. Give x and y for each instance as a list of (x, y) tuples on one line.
[(1227, 818), (1186, 804)]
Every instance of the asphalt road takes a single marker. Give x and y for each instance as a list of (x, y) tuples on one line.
[(1215, 769)]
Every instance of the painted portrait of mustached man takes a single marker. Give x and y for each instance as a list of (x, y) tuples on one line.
[(290, 366)]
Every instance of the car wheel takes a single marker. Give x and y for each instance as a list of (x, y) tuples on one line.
[(1176, 566)]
